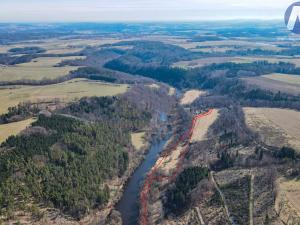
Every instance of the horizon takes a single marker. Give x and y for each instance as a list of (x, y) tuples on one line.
[(237, 20), (111, 11)]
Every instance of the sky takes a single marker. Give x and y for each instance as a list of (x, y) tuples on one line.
[(139, 10)]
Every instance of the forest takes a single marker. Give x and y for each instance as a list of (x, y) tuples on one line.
[(223, 79), (64, 162), (178, 198)]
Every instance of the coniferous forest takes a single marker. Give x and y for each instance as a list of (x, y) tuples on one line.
[(64, 162)]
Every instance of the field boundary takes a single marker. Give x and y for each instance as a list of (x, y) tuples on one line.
[(151, 177)]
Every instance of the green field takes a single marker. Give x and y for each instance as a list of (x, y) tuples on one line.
[(66, 92), (37, 69)]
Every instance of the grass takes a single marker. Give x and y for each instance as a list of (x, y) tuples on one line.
[(190, 96), (7, 130), (61, 46), (48, 61), (202, 125), (242, 43), (37, 69), (287, 78), (277, 127), (270, 59), (288, 198), (137, 140), (66, 92), (207, 61), (273, 85)]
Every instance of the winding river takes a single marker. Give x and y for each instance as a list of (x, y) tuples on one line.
[(128, 206)]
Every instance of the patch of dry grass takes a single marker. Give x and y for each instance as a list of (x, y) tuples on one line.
[(202, 125), (273, 85), (137, 140), (190, 96), (288, 199), (287, 78), (277, 127), (15, 128)]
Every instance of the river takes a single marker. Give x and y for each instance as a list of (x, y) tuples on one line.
[(128, 206)]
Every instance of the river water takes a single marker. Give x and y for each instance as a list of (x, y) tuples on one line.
[(128, 206)]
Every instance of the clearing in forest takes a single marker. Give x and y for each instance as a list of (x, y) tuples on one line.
[(137, 140), (15, 128), (190, 96)]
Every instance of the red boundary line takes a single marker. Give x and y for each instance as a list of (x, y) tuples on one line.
[(151, 176)]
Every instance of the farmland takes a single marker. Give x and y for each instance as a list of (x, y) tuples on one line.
[(37, 69), (65, 92), (286, 78), (276, 83), (277, 127), (204, 62), (61, 46)]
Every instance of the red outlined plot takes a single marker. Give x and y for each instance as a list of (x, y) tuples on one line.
[(152, 176)]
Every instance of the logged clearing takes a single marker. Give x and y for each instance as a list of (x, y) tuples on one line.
[(37, 69), (288, 198), (65, 92), (202, 125), (137, 140), (15, 128), (277, 127), (190, 96), (287, 78)]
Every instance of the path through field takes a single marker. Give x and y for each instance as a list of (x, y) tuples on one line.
[(222, 197), (251, 202)]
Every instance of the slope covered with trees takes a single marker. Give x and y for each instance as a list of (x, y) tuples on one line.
[(64, 162)]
